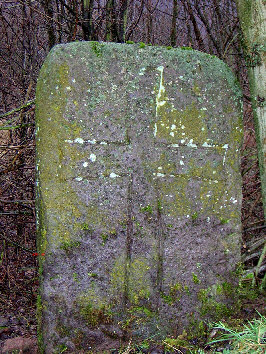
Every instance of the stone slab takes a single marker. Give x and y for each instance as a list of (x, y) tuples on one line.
[(138, 193)]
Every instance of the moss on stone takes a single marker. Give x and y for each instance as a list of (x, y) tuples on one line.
[(213, 304), (39, 325), (68, 245), (97, 48), (93, 309), (146, 209), (195, 279), (137, 282), (186, 48), (51, 105)]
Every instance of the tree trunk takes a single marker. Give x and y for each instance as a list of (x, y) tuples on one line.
[(111, 30), (173, 36), (252, 15), (123, 21), (149, 22), (88, 30), (48, 8)]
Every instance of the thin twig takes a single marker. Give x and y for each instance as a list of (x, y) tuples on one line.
[(262, 256), (15, 213), (16, 201), (17, 244), (12, 127), (25, 105), (255, 228)]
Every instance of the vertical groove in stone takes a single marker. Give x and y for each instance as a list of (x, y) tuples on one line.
[(160, 248), (129, 239)]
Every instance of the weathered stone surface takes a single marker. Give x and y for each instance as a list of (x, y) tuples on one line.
[(139, 192)]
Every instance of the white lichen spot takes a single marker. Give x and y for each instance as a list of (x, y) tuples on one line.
[(208, 219), (113, 175), (190, 144), (85, 164), (68, 88), (224, 157), (142, 71), (214, 172), (155, 130), (204, 109), (91, 141), (79, 141), (202, 128), (173, 127), (206, 144), (215, 181), (160, 174), (172, 134), (92, 157), (73, 80), (56, 87), (78, 179), (188, 216), (233, 200), (225, 146), (182, 127), (69, 141), (160, 168), (159, 101), (103, 143), (182, 141), (181, 162), (175, 145)]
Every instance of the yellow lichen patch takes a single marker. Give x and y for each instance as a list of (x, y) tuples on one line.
[(162, 165), (176, 126), (139, 287), (185, 127), (93, 307), (196, 90), (132, 276), (173, 194), (214, 198), (58, 160), (207, 171)]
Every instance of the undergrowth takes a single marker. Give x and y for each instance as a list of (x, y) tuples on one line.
[(250, 339)]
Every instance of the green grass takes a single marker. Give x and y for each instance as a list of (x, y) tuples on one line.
[(250, 340)]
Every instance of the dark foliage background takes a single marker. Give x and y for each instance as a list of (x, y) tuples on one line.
[(29, 29)]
